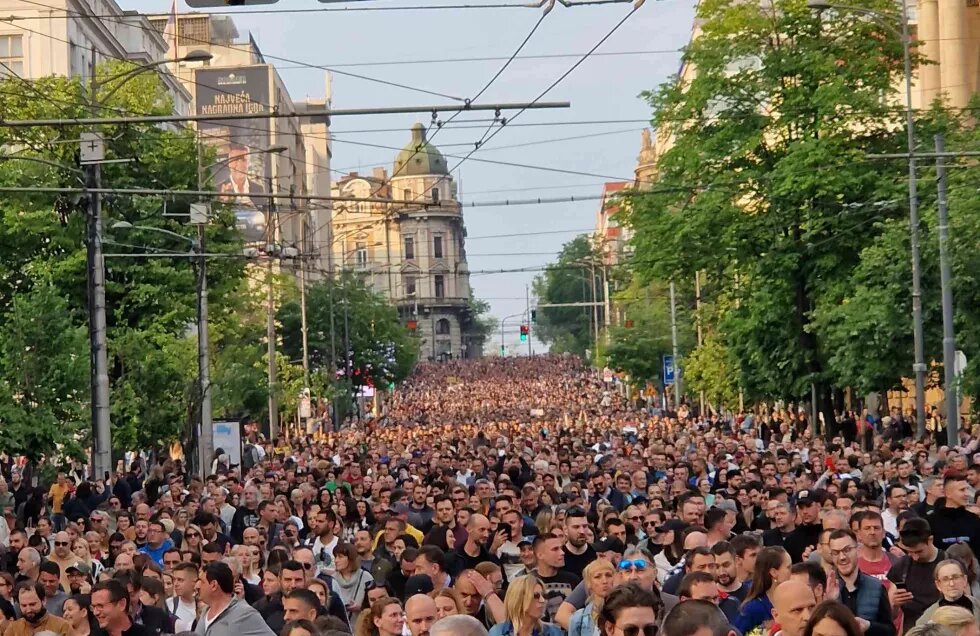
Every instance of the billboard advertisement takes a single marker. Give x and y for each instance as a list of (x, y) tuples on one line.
[(242, 168)]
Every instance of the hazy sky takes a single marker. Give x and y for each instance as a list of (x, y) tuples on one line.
[(604, 87)]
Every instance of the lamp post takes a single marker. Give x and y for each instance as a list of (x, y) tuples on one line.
[(919, 367), (95, 263)]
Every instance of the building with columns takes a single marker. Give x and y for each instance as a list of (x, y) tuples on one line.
[(949, 32), (411, 246)]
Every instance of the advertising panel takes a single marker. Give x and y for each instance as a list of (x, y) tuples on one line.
[(242, 168)]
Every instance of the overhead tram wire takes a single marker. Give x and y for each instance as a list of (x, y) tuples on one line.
[(485, 138), (469, 101), (60, 13), (200, 41)]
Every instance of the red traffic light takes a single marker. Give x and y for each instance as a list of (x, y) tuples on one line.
[(524, 330)]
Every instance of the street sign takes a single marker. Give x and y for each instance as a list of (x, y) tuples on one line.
[(668, 370)]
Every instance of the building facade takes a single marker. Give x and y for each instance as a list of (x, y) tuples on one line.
[(58, 38), (411, 246), (285, 155)]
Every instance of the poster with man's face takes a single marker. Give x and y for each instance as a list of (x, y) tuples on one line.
[(242, 169)]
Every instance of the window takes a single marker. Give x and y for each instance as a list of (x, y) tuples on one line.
[(409, 248), (408, 194), (437, 246), (442, 327), (411, 285), (11, 55), (360, 254), (440, 283)]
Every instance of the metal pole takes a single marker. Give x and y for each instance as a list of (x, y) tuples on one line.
[(697, 322), (678, 389), (606, 307), (333, 354), (270, 325), (102, 433), (302, 305), (527, 307), (946, 276), (919, 347), (814, 418), (95, 120), (206, 441), (502, 346), (595, 314)]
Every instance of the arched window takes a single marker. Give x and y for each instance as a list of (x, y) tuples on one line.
[(442, 327)]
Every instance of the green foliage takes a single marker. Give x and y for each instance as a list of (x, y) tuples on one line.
[(568, 280), (43, 371), (382, 349), (639, 350), (150, 302), (766, 189)]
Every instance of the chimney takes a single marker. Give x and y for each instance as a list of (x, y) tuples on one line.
[(380, 174)]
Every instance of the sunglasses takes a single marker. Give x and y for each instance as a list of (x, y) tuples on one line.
[(192, 535), (63, 543), (538, 596), (638, 564), (635, 630), (307, 566)]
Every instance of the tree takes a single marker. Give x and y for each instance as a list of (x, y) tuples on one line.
[(639, 349), (150, 302), (766, 189), (43, 367), (345, 310), (568, 329)]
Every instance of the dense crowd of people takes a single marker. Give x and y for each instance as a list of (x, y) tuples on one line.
[(513, 497)]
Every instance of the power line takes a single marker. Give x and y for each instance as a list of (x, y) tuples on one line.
[(555, 83), (495, 58), (59, 13), (517, 234), (207, 42), (461, 125)]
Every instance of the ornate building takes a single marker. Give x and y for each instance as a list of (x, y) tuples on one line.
[(411, 246)]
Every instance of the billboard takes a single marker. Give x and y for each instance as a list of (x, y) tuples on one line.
[(242, 168)]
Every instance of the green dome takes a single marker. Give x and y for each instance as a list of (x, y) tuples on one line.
[(419, 157)]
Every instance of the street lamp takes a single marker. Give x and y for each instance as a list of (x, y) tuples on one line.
[(208, 441), (885, 19), (93, 154), (205, 440)]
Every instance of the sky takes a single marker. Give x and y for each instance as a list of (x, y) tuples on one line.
[(603, 88)]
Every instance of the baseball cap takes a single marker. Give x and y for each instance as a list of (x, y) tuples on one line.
[(609, 544), (80, 568), (418, 584), (807, 497)]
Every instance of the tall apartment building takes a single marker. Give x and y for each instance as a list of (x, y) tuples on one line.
[(413, 254), (58, 37), (238, 79)]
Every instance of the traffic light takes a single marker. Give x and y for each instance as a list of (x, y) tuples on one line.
[(534, 316), (524, 331), (503, 352)]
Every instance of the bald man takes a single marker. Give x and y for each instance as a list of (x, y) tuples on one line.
[(420, 614), (473, 550), (792, 604), (458, 626)]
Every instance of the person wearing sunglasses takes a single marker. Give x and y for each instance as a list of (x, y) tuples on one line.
[(629, 610), (525, 607)]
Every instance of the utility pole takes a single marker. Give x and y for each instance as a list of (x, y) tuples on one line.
[(673, 340), (946, 276), (101, 433), (205, 442), (697, 322), (527, 308), (302, 303), (270, 326)]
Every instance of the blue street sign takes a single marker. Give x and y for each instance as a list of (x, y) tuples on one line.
[(668, 370)]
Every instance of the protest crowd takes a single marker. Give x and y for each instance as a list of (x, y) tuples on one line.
[(514, 497)]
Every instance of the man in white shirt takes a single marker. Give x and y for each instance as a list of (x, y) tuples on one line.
[(183, 604)]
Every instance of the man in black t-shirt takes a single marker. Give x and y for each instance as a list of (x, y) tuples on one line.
[(578, 552), (558, 582)]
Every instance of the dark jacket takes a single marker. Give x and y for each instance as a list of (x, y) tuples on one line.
[(156, 620), (880, 615), (954, 525)]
